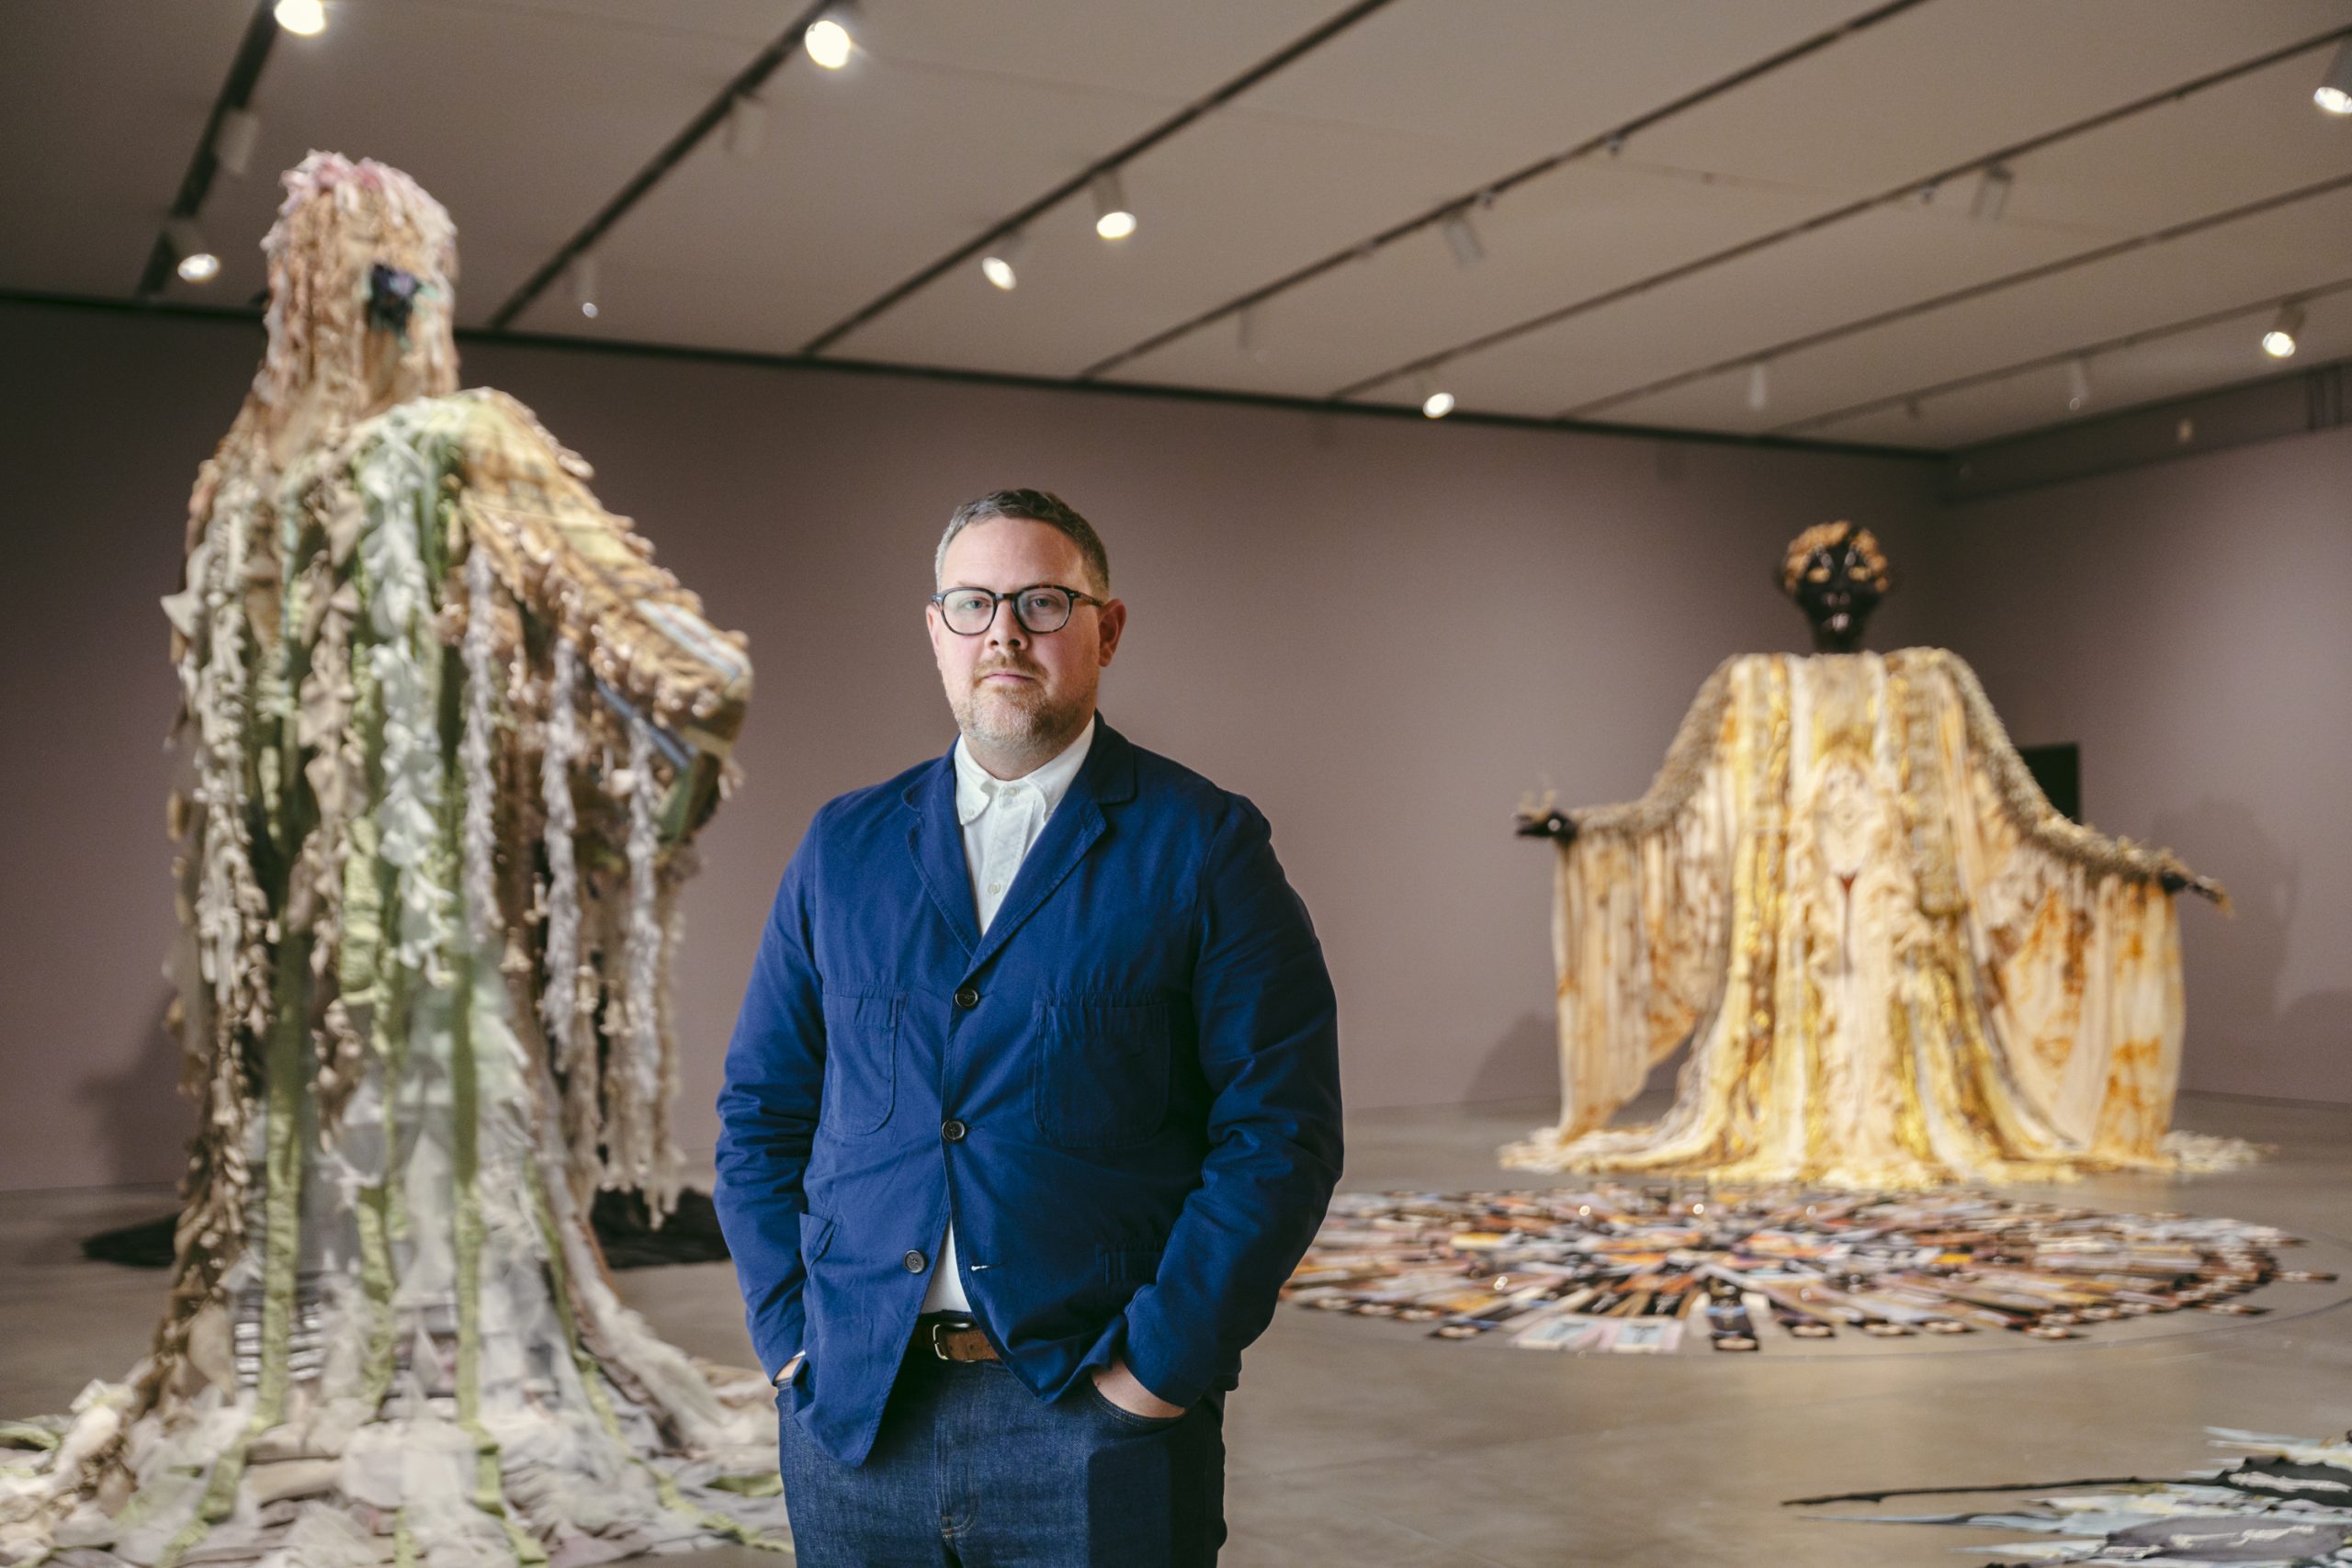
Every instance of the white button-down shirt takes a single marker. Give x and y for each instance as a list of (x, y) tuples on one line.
[(1001, 819)]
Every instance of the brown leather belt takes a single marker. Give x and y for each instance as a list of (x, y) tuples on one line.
[(951, 1337)]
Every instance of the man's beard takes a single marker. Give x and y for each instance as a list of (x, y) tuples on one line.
[(1019, 720)]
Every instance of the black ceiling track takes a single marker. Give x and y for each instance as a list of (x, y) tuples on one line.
[(746, 83), (236, 93), (1908, 190), (1078, 181), (1606, 141)]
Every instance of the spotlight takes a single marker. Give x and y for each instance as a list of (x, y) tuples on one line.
[(1992, 194), (1462, 240), (307, 18), (747, 125), (583, 283), (996, 262), (828, 40), (196, 261), (1114, 220), (2334, 91), (1759, 386), (2279, 342), (2078, 383), (1436, 401), (232, 143)]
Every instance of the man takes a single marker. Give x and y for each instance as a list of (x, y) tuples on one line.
[(1033, 1106)]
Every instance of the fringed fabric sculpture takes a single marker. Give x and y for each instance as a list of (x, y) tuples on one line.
[(451, 732), (1894, 963)]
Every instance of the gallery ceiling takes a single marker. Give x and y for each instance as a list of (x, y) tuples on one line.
[(1592, 209)]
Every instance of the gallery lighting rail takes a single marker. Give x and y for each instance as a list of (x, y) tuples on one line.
[(1085, 177), (236, 95), (1456, 207), (1909, 191), (715, 115), (2260, 307), (2181, 230)]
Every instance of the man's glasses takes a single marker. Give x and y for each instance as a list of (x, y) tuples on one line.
[(1040, 608)]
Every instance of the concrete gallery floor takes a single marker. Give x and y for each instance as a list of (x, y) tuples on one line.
[(1362, 1442)]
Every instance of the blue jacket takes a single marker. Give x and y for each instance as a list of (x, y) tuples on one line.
[(1127, 1095)]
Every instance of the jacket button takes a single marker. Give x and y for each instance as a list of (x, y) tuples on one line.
[(914, 1261), (968, 998), (953, 1130)]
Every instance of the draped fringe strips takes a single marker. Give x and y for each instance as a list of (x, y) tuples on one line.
[(1895, 962), (390, 1338)]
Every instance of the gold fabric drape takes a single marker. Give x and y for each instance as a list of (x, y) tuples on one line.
[(1895, 964)]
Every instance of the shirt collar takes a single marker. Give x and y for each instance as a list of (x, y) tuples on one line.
[(976, 786)]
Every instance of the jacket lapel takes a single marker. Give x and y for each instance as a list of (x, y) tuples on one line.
[(1108, 778), (936, 841)]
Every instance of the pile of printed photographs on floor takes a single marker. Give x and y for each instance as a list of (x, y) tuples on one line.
[(2285, 1505), (1641, 1269)]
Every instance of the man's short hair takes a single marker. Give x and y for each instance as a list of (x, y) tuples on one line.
[(1029, 506)]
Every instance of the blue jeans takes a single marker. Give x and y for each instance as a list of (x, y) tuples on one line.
[(971, 1468)]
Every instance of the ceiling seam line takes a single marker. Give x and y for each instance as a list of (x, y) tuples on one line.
[(1903, 191), (2043, 361), (743, 84), (1149, 139), (1364, 248), (753, 359), (2110, 251), (195, 184)]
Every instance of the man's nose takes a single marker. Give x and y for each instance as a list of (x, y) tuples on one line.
[(1006, 631)]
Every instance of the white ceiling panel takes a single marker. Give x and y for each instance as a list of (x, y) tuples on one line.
[(2252, 137), (1946, 83), (2301, 246), (941, 126), (2223, 353), (1878, 261), (102, 103), (521, 119), (1527, 78), (1593, 226)]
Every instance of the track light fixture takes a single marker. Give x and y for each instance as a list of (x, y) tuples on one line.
[(1461, 239), (198, 263), (2334, 91), (996, 262), (1244, 331), (1992, 194), (583, 283), (307, 18), (2078, 383), (1759, 386), (2279, 342), (747, 125), (828, 40), (1113, 219), (233, 142), (1436, 401)]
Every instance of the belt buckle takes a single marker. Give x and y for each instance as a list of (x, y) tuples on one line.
[(949, 1327)]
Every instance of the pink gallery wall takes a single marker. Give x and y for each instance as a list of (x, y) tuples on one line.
[(1384, 631), (2189, 625)]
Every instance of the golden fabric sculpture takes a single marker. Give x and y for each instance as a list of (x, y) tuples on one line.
[(450, 732), (1894, 963)]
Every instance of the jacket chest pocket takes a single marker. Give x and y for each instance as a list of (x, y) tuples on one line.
[(861, 1059), (1101, 1073)]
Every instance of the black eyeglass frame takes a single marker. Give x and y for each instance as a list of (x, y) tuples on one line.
[(998, 600)]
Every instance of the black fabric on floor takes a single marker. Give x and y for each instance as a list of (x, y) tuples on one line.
[(624, 1228)]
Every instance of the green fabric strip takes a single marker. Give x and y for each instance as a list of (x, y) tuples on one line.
[(282, 1247)]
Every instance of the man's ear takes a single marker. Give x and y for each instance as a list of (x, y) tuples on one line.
[(1115, 622)]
